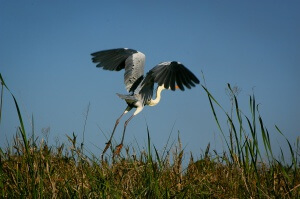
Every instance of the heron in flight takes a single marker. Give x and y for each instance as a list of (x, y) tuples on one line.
[(168, 75)]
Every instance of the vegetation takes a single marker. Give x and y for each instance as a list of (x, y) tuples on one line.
[(30, 168)]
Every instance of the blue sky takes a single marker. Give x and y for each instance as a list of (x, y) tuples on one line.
[(45, 60)]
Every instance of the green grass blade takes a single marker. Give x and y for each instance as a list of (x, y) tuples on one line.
[(149, 145), (254, 148), (1, 99), (22, 128), (157, 157), (293, 155), (266, 141)]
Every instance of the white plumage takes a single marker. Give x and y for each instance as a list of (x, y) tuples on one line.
[(168, 75)]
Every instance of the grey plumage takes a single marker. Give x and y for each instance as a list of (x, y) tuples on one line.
[(118, 59), (168, 75)]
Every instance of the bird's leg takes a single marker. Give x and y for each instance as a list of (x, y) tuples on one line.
[(119, 147), (117, 122)]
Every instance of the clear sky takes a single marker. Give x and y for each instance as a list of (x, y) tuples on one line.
[(45, 60)]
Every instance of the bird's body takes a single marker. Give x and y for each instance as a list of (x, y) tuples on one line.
[(168, 75)]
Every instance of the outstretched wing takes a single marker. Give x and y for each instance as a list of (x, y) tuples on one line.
[(122, 58), (173, 73), (169, 74)]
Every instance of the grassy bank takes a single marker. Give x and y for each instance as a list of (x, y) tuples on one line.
[(31, 168)]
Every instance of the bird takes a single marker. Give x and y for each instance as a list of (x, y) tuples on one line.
[(169, 75)]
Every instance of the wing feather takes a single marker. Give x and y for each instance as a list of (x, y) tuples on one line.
[(122, 58), (166, 81), (171, 74), (172, 80), (184, 80), (146, 87)]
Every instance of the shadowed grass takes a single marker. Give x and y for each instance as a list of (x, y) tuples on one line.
[(33, 169)]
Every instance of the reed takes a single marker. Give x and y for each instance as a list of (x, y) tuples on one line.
[(32, 168)]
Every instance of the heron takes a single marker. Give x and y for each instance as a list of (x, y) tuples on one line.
[(169, 75)]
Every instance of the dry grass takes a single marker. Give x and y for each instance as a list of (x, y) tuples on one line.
[(66, 173), (30, 168)]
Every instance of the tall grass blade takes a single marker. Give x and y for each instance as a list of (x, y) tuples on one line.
[(266, 141), (22, 128), (158, 158), (210, 98), (290, 146), (1, 97), (45, 171), (149, 145), (293, 155), (166, 145)]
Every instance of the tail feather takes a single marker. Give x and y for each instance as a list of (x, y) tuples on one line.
[(127, 98)]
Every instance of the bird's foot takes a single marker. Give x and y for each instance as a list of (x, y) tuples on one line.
[(106, 147), (118, 149)]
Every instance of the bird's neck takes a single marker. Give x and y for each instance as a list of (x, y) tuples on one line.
[(155, 101)]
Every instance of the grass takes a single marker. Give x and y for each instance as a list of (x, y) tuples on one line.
[(31, 168)]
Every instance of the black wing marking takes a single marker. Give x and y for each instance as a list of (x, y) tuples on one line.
[(171, 74), (113, 59), (146, 88), (122, 58), (168, 74)]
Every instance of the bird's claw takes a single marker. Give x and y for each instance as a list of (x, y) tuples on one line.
[(118, 149)]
